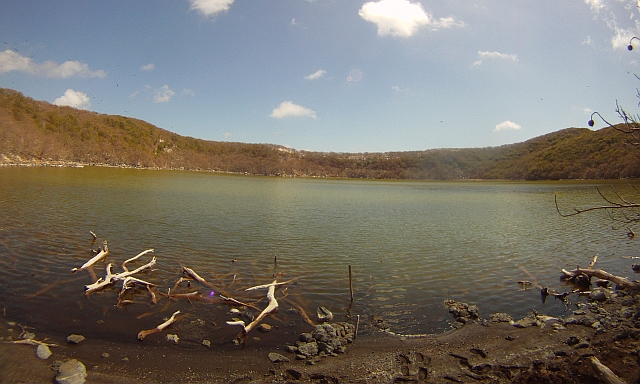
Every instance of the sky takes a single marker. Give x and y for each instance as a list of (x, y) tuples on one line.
[(331, 75)]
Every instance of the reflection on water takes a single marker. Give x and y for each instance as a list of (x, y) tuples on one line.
[(411, 245)]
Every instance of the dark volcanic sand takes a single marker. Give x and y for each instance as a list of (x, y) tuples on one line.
[(476, 353)]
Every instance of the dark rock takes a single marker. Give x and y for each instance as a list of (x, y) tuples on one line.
[(462, 312), (572, 340), (598, 295), (308, 349), (295, 375), (324, 314), (306, 337), (582, 345), (501, 318), (277, 358)]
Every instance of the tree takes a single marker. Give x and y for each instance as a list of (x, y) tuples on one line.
[(623, 208)]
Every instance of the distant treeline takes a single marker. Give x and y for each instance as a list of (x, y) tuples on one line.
[(35, 130)]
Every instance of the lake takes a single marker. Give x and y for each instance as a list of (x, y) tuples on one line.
[(411, 245)]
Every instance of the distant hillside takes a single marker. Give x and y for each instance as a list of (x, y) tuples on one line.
[(38, 132)]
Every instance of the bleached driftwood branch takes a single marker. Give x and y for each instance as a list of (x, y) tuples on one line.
[(101, 255), (621, 282), (144, 333), (195, 295), (605, 373), (135, 257), (130, 282), (111, 278), (231, 299), (271, 307)]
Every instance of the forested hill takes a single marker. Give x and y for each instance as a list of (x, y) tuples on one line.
[(38, 132)]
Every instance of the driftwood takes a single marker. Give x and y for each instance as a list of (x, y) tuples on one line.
[(621, 282), (134, 258), (606, 374), (189, 295), (32, 342), (271, 307), (130, 282), (159, 328), (101, 255), (231, 299), (111, 278)]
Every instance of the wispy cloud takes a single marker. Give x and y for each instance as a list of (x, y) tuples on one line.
[(494, 55), (188, 92), (75, 99), (209, 8), (316, 75), (402, 18), (12, 61), (163, 95), (610, 12), (507, 126), (148, 67), (287, 108)]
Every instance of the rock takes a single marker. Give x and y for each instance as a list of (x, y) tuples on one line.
[(598, 294), (501, 318), (264, 328), (75, 339), (306, 337), (105, 354), (291, 349), (173, 338), (43, 352), (71, 372), (462, 312), (277, 358), (324, 314), (308, 349), (572, 340), (29, 336), (206, 343)]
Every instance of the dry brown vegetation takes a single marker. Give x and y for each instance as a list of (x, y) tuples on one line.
[(38, 131)]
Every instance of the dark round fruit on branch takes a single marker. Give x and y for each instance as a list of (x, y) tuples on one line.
[(591, 123), (630, 47)]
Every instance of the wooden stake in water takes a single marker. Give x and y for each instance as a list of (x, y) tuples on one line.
[(350, 283)]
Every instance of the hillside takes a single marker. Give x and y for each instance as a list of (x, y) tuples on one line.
[(38, 131)]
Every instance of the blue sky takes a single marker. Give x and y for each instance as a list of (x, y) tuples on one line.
[(330, 75)]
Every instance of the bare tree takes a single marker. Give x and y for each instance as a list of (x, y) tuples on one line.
[(621, 207)]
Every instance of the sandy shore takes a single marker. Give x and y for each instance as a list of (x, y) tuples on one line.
[(537, 349)]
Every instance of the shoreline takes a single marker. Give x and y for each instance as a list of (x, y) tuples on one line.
[(534, 349)]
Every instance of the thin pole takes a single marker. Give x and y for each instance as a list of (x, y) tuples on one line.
[(350, 283)]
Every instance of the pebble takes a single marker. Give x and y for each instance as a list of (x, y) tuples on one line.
[(264, 328), (75, 339), (173, 338), (206, 343), (71, 372), (105, 355), (277, 358), (43, 352)]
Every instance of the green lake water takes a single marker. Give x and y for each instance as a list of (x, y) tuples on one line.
[(411, 245)]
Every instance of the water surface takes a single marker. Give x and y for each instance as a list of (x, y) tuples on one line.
[(411, 245)]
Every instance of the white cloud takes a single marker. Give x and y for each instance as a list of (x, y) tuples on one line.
[(74, 99), (12, 61), (227, 135), (595, 5), (148, 67), (287, 108), (163, 94), (209, 8), (507, 126), (494, 55), (622, 38), (188, 92), (316, 75), (401, 18)]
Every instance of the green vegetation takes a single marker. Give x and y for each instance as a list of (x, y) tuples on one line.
[(35, 130)]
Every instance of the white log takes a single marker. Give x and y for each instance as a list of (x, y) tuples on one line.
[(101, 255), (159, 328), (135, 257), (605, 373)]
